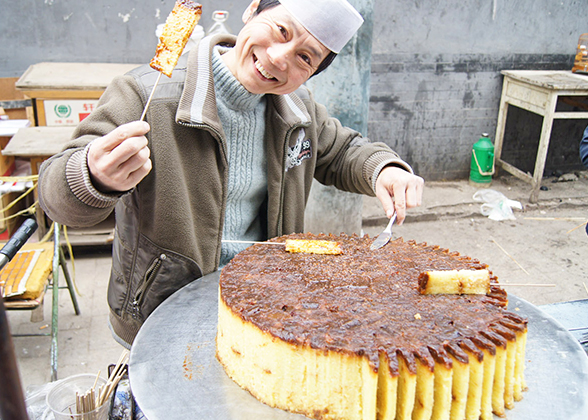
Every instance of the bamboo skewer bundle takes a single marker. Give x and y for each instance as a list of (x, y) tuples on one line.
[(87, 404)]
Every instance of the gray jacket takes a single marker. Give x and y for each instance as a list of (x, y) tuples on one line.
[(169, 227)]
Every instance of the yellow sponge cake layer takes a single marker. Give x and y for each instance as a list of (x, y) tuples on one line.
[(457, 282), (297, 379), (350, 336)]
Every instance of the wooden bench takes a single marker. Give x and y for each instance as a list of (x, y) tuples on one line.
[(37, 144), (26, 278)]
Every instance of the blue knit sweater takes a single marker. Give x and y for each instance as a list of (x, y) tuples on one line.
[(242, 115)]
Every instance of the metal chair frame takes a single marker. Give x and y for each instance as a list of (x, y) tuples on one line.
[(53, 284)]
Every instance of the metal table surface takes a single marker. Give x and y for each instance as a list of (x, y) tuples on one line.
[(573, 315), (174, 373)]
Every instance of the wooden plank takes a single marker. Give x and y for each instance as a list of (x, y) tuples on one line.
[(100, 234), (36, 162), (526, 106), (550, 79), (38, 141), (8, 91), (16, 304), (513, 170), (71, 76), (40, 111), (543, 147), (527, 97), (501, 122), (571, 115), (63, 94), (14, 102)]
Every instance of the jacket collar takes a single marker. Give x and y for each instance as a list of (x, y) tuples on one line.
[(198, 101)]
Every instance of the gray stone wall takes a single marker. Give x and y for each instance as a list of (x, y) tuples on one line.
[(435, 80)]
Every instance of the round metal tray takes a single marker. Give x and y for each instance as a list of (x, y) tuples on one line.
[(174, 373)]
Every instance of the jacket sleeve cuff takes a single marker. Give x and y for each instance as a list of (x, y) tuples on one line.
[(379, 161), (80, 183)]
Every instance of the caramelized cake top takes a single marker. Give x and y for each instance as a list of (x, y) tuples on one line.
[(366, 302)]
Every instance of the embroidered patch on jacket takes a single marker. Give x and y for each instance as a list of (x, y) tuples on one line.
[(300, 151)]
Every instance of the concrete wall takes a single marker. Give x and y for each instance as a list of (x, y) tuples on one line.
[(121, 31), (435, 81)]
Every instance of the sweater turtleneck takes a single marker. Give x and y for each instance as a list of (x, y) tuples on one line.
[(242, 115)]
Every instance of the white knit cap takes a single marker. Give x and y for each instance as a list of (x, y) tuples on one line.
[(332, 22)]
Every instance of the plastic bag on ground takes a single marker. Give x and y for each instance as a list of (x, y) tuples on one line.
[(496, 205), (36, 401)]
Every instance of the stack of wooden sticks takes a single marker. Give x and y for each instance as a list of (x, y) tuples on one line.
[(88, 403)]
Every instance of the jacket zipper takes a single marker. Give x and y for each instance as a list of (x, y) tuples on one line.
[(219, 139), (148, 280)]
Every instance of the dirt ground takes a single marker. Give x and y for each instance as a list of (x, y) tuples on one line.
[(546, 243)]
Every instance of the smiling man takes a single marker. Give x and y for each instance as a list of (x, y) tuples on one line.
[(274, 53), (230, 147)]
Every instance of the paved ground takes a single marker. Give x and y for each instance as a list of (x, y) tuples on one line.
[(545, 244)]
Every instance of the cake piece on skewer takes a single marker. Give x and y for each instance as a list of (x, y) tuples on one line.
[(305, 246), (177, 30), (463, 282), (313, 246), (456, 282)]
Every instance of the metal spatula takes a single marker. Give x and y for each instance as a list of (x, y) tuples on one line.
[(384, 237)]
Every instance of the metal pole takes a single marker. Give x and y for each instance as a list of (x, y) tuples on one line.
[(55, 295), (12, 405)]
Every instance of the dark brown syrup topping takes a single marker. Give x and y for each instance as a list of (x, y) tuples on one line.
[(366, 302)]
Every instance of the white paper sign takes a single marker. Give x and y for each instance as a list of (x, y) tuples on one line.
[(68, 112)]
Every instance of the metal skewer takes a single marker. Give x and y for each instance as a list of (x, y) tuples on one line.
[(230, 241), (523, 284)]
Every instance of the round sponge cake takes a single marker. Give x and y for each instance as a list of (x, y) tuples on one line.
[(350, 336)]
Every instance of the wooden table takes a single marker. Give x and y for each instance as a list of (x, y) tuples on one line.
[(55, 86), (62, 95), (38, 144), (539, 92)]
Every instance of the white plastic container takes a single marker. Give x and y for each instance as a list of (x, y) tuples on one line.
[(219, 17), (61, 399)]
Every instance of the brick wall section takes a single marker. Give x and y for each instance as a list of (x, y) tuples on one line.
[(435, 81)]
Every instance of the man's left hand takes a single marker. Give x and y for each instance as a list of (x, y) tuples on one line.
[(397, 190)]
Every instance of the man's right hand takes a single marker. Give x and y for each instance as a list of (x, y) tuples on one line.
[(120, 160)]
